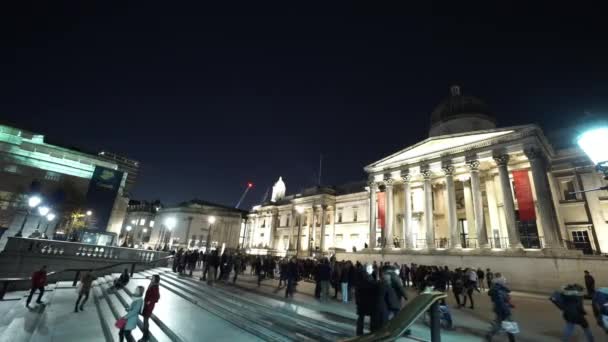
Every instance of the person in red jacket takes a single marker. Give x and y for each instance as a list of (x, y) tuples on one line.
[(38, 283), (151, 298)]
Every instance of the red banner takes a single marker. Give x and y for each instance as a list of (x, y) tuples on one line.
[(523, 193), (381, 209)]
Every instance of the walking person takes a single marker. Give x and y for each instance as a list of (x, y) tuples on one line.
[(38, 283), (324, 277), (150, 300), (237, 267), (470, 281), (570, 301), (364, 297), (335, 278), (131, 316), (457, 286), (292, 278), (499, 294), (480, 279), (85, 287), (344, 277), (489, 278), (589, 284)]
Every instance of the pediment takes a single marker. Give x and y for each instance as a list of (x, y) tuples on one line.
[(440, 145)]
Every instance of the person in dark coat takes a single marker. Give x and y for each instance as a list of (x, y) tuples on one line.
[(336, 274), (589, 284), (364, 295), (151, 298), (384, 301), (480, 278), (324, 278), (121, 281), (292, 278), (457, 286), (570, 302), (499, 294), (38, 283), (85, 288)]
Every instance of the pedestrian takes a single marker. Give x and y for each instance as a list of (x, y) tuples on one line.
[(364, 297), (85, 287), (324, 277), (489, 278), (344, 277), (457, 286), (335, 278), (38, 283), (570, 301), (292, 278), (384, 302), (501, 299), (121, 281), (151, 298), (470, 281), (132, 315), (480, 279), (237, 267), (599, 303), (396, 291), (214, 262), (589, 284)]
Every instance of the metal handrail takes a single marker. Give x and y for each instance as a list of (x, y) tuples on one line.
[(6, 281)]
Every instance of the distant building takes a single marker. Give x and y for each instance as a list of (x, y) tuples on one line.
[(186, 225), (66, 180), (141, 216), (129, 166)]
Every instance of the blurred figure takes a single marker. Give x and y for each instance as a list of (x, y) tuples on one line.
[(150, 300), (85, 287), (131, 316), (38, 283)]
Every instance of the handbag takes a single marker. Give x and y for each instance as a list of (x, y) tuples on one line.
[(120, 323), (510, 327)]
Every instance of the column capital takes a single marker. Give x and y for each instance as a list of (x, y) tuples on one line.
[(473, 165), (448, 169), (406, 176), (501, 159), (426, 173), (388, 180), (533, 153)]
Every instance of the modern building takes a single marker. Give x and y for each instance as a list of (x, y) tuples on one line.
[(195, 224), (66, 180), (469, 186)]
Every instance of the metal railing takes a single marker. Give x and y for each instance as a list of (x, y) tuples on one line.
[(500, 242), (532, 242), (419, 243), (6, 281)]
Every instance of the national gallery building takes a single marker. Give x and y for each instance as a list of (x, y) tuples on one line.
[(471, 187)]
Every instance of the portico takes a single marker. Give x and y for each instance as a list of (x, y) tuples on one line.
[(467, 194)]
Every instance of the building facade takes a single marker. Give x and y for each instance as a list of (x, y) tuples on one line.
[(469, 186), (188, 226), (61, 176)]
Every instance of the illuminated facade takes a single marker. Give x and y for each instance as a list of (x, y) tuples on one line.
[(469, 187), (62, 175)]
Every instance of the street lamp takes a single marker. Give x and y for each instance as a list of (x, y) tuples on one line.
[(300, 211), (43, 211), (89, 213), (594, 142), (87, 218), (49, 218), (32, 203), (170, 223), (211, 220), (126, 242)]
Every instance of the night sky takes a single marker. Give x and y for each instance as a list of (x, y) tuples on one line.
[(208, 98)]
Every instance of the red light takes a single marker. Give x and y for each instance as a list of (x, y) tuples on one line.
[(250, 185)]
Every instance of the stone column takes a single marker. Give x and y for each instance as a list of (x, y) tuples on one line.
[(428, 209), (372, 213), (546, 211), (292, 224), (451, 207), (323, 213), (407, 210), (480, 222), (507, 198), (311, 231), (388, 182)]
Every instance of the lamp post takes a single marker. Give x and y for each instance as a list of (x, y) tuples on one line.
[(87, 218), (49, 218), (43, 211), (32, 203), (300, 211), (170, 223), (594, 142), (211, 221)]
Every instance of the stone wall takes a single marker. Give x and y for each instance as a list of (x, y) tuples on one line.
[(524, 270)]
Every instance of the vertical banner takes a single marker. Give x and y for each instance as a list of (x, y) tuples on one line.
[(523, 193), (103, 189), (381, 209)]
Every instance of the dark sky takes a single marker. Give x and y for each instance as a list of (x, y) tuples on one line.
[(208, 98)]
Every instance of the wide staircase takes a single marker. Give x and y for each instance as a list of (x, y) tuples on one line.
[(188, 310)]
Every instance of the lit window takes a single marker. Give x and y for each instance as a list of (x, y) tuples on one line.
[(11, 169), (142, 222), (151, 223)]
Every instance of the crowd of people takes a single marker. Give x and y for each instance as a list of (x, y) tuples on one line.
[(378, 289)]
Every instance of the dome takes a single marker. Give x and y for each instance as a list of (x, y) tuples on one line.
[(459, 114)]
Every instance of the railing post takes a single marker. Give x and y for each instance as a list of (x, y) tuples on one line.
[(435, 322), (132, 269), (4, 288), (75, 282)]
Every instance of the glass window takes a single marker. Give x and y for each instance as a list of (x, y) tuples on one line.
[(287, 221), (339, 217), (567, 188), (142, 222), (151, 223), (11, 169), (355, 214), (52, 176)]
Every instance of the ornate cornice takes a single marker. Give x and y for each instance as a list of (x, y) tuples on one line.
[(405, 176), (448, 169), (473, 165), (426, 173), (501, 159)]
